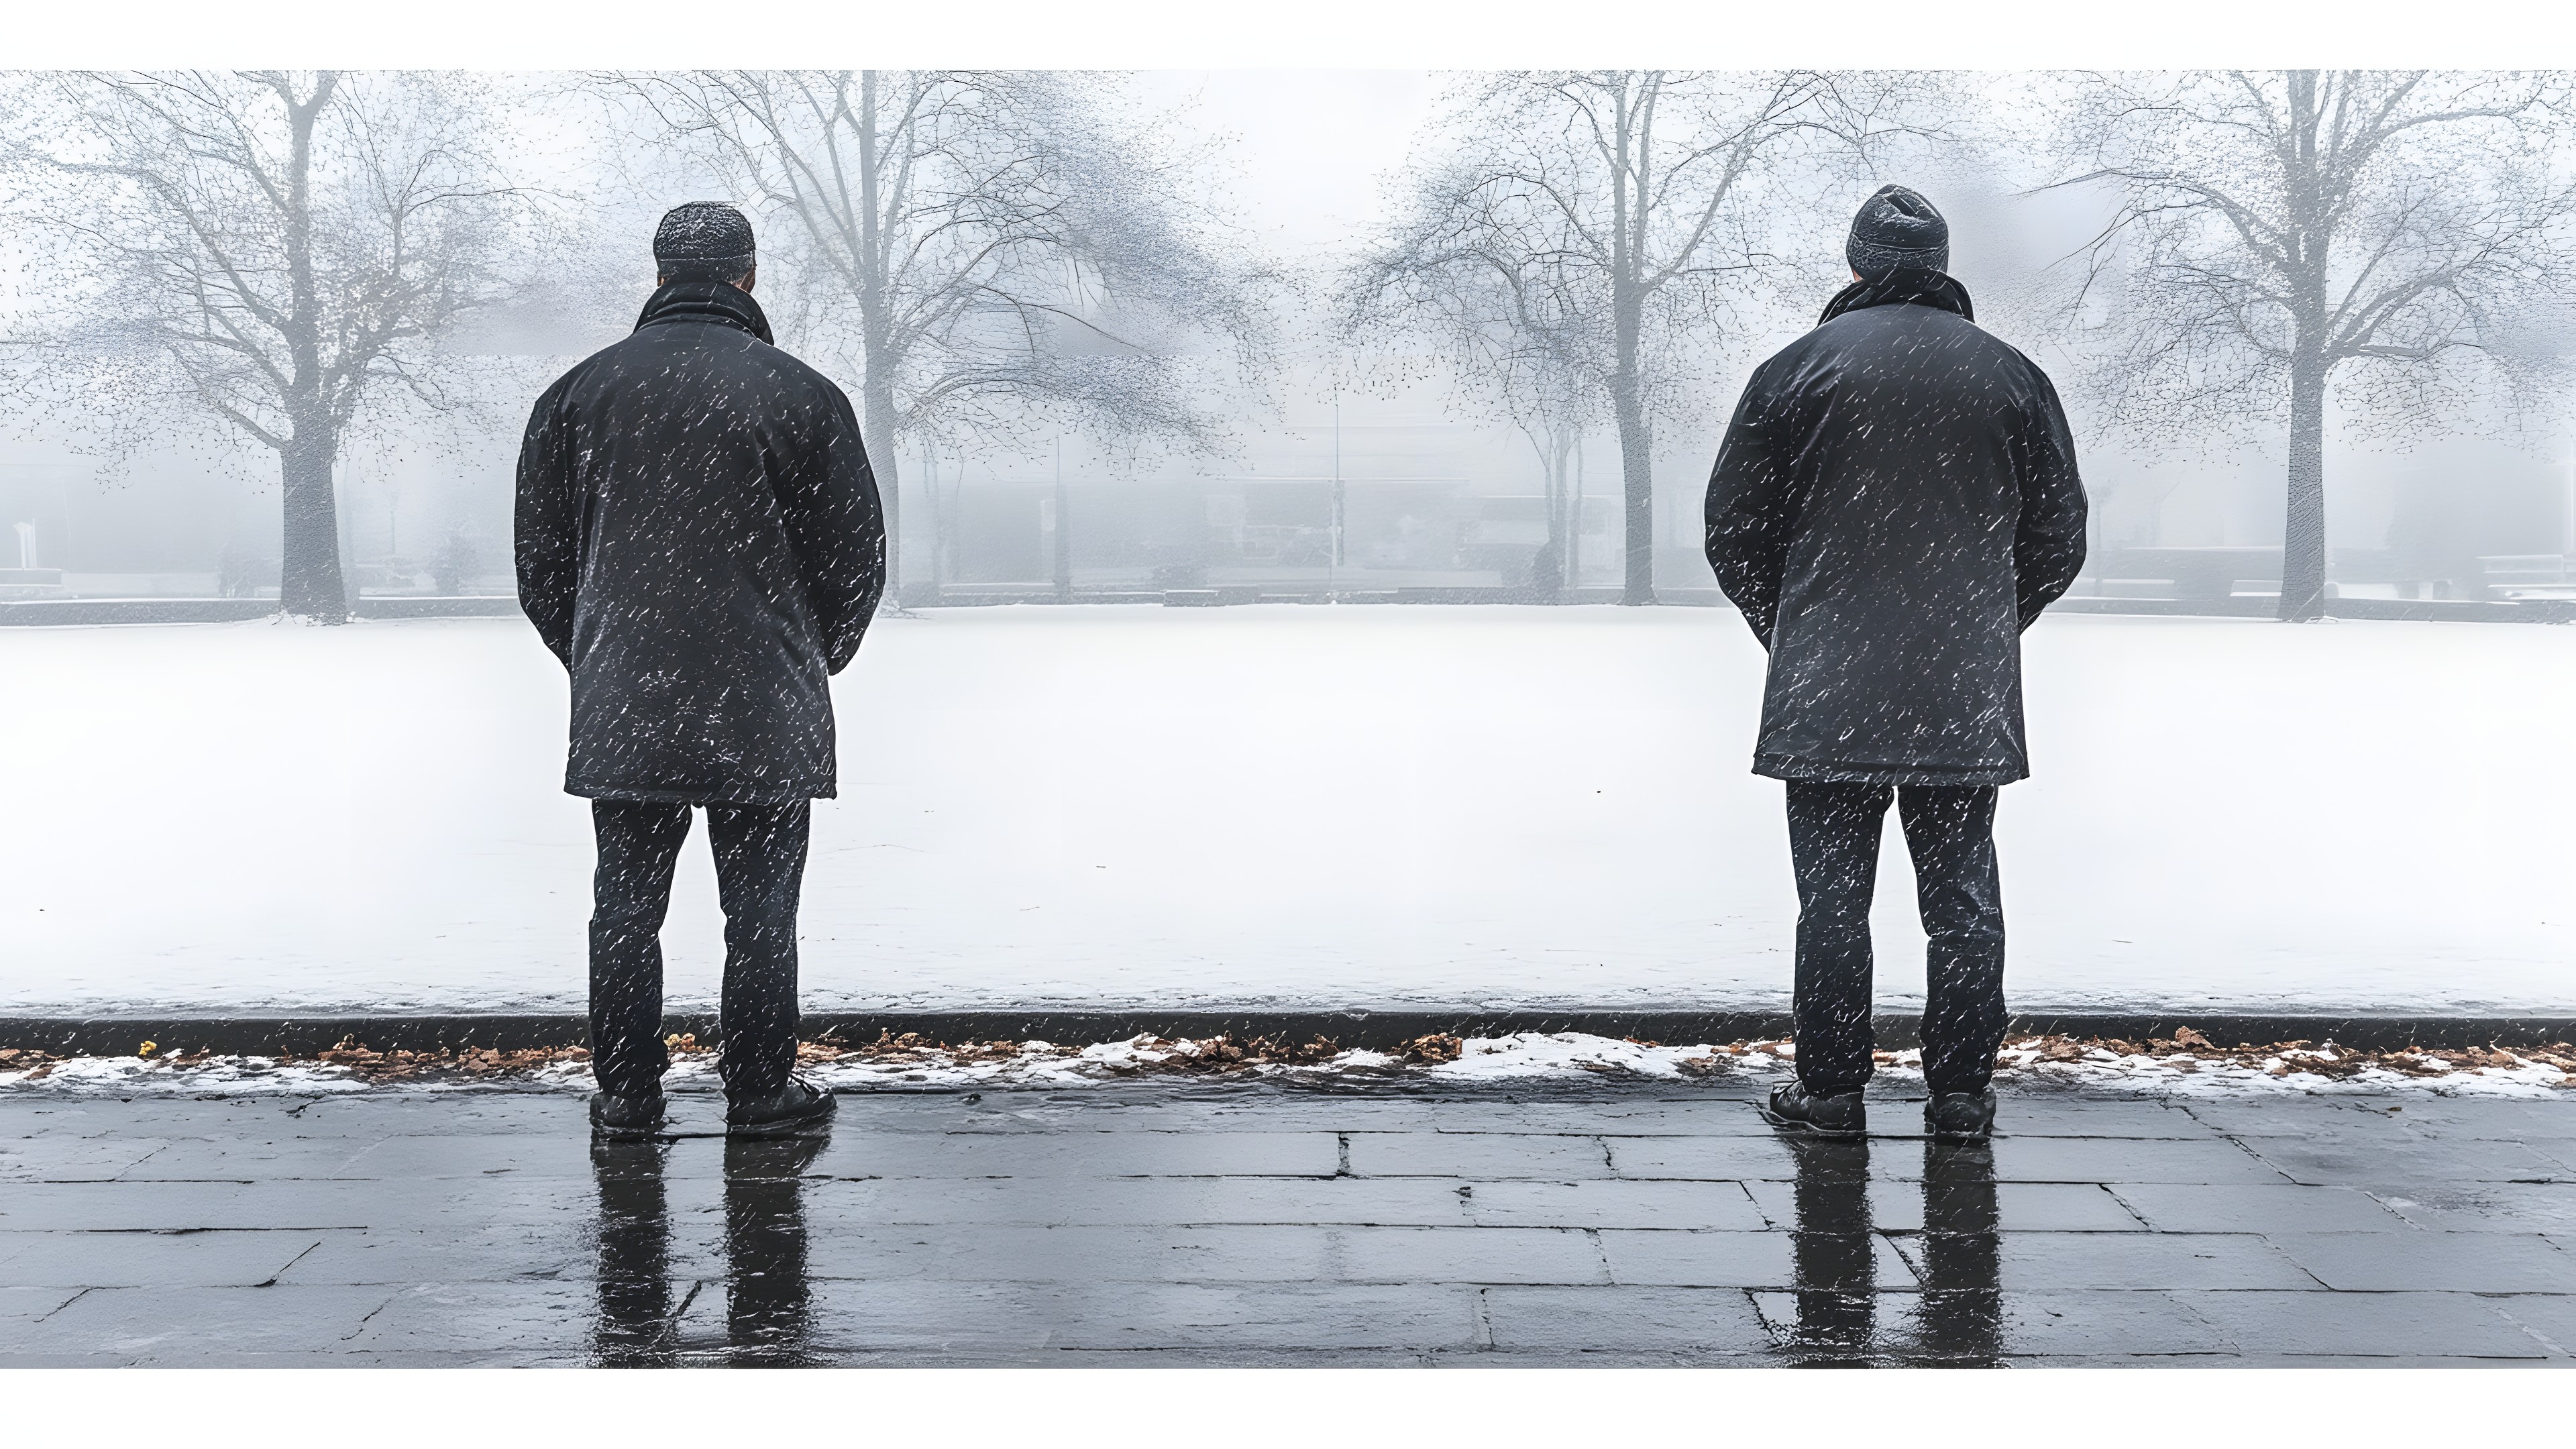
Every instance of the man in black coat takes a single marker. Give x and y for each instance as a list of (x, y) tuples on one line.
[(701, 543), (1895, 501)]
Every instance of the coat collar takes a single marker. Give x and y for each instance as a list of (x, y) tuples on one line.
[(719, 302), (1920, 287)]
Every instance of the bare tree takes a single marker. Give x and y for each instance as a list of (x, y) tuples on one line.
[(1554, 410), (2275, 234), (284, 246), (1641, 204), (990, 252), (1511, 336)]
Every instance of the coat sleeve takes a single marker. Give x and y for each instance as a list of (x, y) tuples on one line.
[(2048, 547), (1748, 510), (546, 527), (837, 525)]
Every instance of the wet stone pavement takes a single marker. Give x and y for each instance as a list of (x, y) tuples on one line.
[(1251, 1225)]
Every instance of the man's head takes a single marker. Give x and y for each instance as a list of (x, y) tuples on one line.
[(1897, 230), (705, 241)]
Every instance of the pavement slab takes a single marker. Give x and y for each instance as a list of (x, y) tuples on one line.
[(1985, 1327), (2352, 1156), (2480, 1207), (2039, 1262), (1633, 1223), (2470, 1262), (2361, 1326), (1150, 1154), (62, 1157), (1587, 1320), (1903, 1207), (1549, 1158), (243, 1258), (2226, 1207)]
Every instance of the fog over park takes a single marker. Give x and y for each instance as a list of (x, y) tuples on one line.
[(1213, 295), (1408, 385)]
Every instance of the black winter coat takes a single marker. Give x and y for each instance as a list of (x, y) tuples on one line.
[(701, 543), (1895, 501)]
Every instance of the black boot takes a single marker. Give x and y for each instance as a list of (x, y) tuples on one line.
[(1955, 1116), (794, 1110), (1793, 1108), (616, 1117)]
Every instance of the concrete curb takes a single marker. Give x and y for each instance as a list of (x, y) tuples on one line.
[(303, 1035)]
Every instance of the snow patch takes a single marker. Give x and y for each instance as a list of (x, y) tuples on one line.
[(219, 1076), (2045, 1064)]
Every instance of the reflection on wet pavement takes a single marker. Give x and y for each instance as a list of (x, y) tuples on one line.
[(767, 1292), (1948, 1311), (1198, 1224), (765, 1277), (1961, 1317), (1836, 1256), (634, 1284)]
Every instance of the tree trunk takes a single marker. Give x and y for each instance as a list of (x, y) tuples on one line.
[(938, 521), (1632, 205), (2303, 529), (309, 584), (1559, 535), (1636, 467), (876, 399), (1063, 533), (1546, 581), (1574, 516), (876, 390)]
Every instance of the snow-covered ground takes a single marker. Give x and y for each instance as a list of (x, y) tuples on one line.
[(1366, 806)]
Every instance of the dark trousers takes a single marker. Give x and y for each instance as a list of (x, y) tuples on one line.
[(760, 866), (1833, 841)]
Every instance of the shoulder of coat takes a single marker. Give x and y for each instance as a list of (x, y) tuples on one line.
[(807, 375), (1800, 345), (555, 391), (2027, 363)]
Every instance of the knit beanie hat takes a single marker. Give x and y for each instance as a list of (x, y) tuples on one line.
[(1897, 229), (703, 241)]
